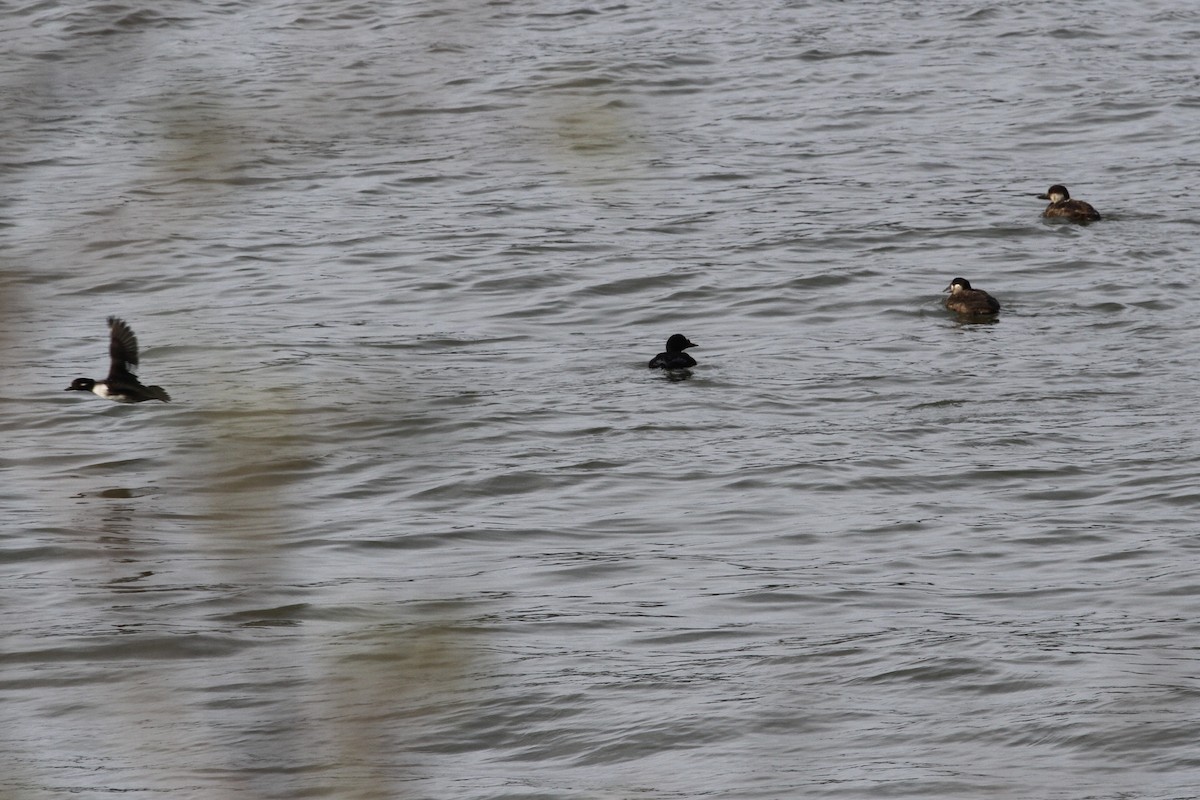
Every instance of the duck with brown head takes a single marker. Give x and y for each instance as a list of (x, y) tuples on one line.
[(1063, 207), (968, 302)]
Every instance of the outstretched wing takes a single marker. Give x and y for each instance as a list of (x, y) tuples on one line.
[(122, 349)]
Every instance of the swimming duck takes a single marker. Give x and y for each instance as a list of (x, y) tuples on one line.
[(1062, 206), (967, 301), (674, 357)]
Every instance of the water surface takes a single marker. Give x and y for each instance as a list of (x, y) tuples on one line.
[(420, 523)]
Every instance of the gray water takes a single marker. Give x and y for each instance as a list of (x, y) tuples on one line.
[(421, 524)]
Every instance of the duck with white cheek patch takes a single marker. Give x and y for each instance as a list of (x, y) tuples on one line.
[(121, 385)]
